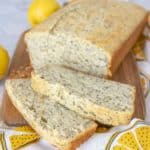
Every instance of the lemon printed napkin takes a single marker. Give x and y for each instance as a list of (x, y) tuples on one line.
[(27, 136), (135, 136), (15, 138)]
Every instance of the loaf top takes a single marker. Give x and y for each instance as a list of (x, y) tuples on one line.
[(104, 23), (60, 123)]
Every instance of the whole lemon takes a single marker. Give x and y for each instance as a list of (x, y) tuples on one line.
[(4, 62), (40, 10)]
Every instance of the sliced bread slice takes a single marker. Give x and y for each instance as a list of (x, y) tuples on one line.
[(92, 36), (60, 126), (106, 101)]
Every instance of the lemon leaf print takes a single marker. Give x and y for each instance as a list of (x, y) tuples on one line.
[(17, 141), (143, 136), (24, 129), (128, 140)]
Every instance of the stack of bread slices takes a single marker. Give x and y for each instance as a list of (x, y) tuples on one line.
[(72, 53)]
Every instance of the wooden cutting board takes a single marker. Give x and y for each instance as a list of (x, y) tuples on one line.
[(127, 73)]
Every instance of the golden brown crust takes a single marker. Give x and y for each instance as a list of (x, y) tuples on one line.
[(81, 138), (126, 47), (134, 97), (21, 72)]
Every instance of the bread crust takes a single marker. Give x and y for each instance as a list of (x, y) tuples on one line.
[(70, 145), (120, 54), (81, 138)]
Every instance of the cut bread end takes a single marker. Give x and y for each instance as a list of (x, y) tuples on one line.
[(105, 113), (71, 144)]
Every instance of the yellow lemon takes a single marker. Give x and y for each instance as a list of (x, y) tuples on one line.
[(4, 62), (39, 10)]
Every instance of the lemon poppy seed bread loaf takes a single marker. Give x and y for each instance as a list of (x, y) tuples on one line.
[(92, 36)]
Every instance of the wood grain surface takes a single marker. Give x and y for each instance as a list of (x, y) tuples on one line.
[(127, 73)]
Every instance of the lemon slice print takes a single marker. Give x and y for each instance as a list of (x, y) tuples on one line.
[(143, 136), (128, 140), (24, 129), (135, 137), (17, 141)]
